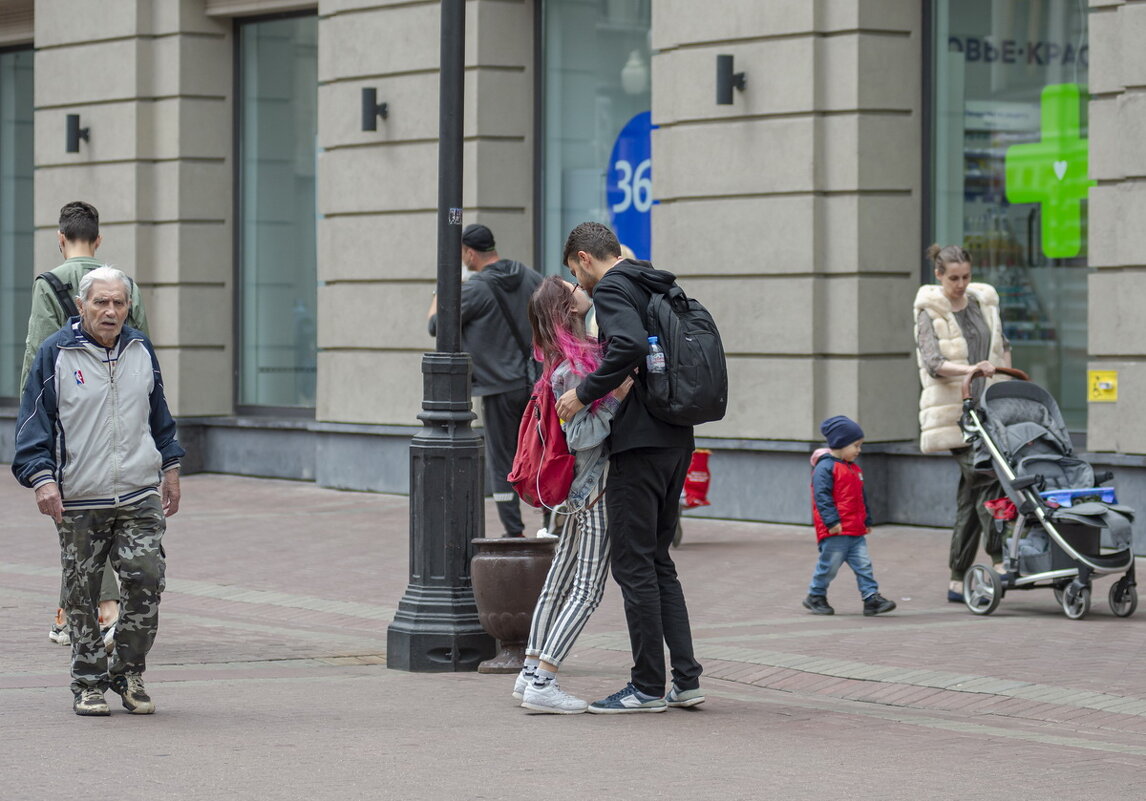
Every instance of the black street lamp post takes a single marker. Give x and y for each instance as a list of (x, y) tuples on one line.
[(436, 626)]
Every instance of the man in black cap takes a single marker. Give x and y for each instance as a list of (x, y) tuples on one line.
[(496, 334)]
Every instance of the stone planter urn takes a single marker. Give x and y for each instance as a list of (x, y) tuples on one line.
[(507, 575)]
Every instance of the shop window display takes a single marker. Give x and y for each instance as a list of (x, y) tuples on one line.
[(596, 126), (278, 276), (1009, 159)]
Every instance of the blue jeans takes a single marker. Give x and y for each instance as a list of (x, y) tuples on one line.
[(834, 551)]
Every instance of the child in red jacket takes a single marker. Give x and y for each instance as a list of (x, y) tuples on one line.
[(840, 512)]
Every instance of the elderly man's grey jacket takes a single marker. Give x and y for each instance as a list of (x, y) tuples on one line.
[(95, 421)]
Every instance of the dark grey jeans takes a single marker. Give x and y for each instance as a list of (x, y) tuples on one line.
[(973, 523)]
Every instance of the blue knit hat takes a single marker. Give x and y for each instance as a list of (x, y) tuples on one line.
[(840, 431)]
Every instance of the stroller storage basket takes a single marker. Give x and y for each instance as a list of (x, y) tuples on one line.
[(1084, 539)]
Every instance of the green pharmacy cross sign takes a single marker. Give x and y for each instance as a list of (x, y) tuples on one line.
[(1053, 172)]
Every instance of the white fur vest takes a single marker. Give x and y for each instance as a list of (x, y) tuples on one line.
[(941, 402)]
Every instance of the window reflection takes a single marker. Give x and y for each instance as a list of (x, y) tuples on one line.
[(596, 82), (1010, 172), (278, 122), (16, 222)]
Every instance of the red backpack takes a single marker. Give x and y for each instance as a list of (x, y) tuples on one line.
[(543, 466)]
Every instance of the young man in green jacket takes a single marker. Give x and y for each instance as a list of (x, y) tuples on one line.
[(79, 238)]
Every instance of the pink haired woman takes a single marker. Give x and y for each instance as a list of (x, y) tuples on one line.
[(576, 581)]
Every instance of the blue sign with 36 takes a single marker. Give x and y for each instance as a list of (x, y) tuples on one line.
[(629, 189)]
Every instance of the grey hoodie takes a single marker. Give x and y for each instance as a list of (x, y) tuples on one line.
[(499, 364)]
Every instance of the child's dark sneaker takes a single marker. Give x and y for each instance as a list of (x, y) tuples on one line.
[(818, 605), (874, 605)]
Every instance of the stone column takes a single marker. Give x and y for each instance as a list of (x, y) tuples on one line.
[(377, 189), (152, 81), (1117, 206), (794, 213)]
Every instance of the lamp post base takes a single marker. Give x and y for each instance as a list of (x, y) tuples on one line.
[(421, 649)]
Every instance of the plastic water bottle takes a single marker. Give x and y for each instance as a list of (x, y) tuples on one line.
[(655, 361)]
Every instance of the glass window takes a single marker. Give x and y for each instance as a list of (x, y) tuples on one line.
[(16, 222), (596, 103), (1010, 172), (278, 126)]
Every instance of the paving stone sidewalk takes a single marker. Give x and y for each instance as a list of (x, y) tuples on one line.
[(269, 674)]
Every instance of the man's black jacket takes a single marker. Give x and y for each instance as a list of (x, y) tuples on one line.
[(620, 299)]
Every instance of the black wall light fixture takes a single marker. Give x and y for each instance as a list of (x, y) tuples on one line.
[(372, 110), (76, 133), (727, 80)]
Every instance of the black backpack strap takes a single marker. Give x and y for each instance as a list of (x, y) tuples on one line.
[(530, 363), (62, 292)]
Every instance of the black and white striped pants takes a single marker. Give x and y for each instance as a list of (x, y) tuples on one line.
[(575, 583)]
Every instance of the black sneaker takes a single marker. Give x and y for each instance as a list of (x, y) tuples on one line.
[(135, 699), (876, 605), (818, 605)]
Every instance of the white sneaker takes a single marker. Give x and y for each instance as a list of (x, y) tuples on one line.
[(59, 634), (684, 698), (523, 680), (552, 699), (108, 635)]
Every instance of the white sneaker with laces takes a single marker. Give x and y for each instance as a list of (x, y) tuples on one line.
[(108, 635), (59, 634), (523, 680), (552, 699)]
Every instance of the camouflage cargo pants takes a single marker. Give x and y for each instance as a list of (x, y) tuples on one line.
[(133, 537)]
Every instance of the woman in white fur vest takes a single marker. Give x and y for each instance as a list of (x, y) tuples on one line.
[(958, 330)]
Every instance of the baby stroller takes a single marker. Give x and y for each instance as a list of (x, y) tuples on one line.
[(1060, 509)]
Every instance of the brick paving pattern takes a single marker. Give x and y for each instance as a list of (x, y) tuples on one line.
[(269, 675)]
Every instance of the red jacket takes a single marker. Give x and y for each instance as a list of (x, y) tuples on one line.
[(838, 497)]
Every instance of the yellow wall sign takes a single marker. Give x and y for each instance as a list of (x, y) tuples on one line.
[(1102, 386)]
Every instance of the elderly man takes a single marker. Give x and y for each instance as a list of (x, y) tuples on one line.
[(96, 442)]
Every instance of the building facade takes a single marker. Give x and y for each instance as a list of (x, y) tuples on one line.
[(285, 238)]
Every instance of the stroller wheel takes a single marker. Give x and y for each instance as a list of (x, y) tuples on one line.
[(1076, 600), (1123, 599), (982, 590)]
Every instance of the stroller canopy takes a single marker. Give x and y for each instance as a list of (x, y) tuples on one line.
[(1025, 424)]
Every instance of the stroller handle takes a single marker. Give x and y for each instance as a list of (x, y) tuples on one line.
[(1011, 371)]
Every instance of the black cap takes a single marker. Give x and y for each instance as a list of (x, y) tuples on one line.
[(478, 237)]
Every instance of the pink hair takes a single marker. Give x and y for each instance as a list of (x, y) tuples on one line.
[(559, 333)]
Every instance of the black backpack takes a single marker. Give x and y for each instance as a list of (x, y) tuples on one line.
[(694, 387)]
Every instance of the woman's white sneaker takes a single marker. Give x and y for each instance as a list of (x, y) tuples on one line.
[(552, 699)]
